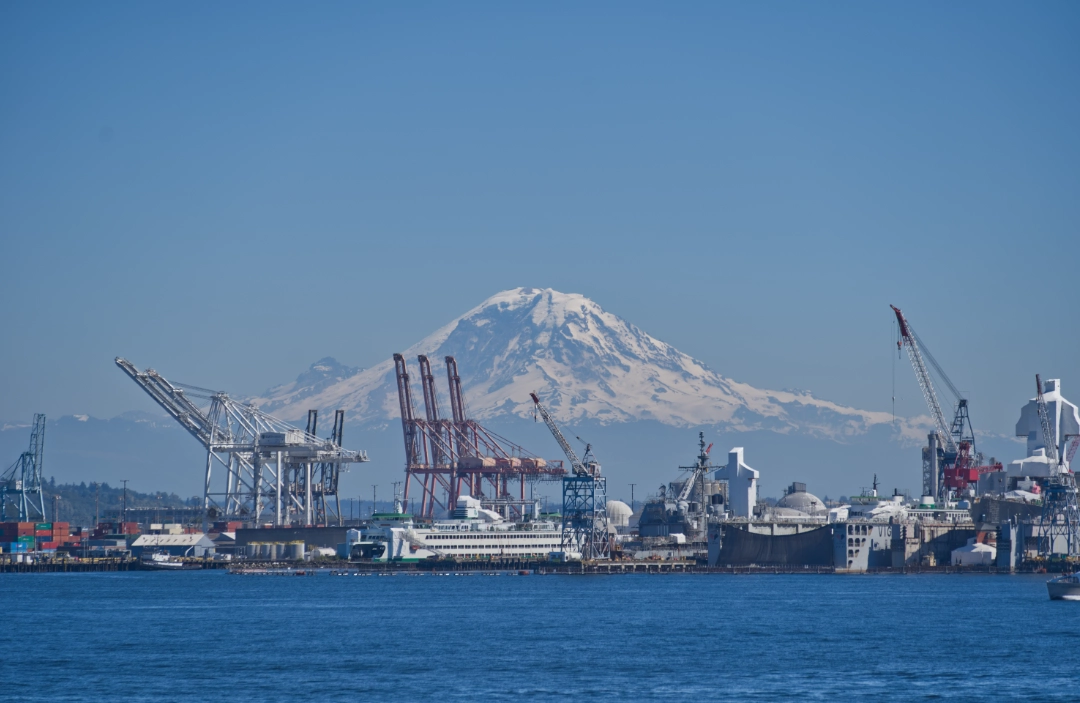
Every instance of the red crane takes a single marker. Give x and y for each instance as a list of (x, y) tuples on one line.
[(959, 459), (450, 457)]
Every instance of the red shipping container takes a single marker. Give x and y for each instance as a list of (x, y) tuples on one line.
[(43, 533), (48, 545)]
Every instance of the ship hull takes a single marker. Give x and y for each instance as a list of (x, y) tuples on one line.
[(1064, 588)]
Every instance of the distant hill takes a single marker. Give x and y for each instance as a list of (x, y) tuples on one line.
[(80, 503), (151, 451)]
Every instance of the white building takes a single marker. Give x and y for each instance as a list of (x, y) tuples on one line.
[(1064, 422), (974, 554), (742, 484)]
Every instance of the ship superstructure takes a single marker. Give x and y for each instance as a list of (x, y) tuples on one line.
[(473, 532)]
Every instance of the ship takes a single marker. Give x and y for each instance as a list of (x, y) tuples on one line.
[(163, 562), (472, 532), (1064, 587)]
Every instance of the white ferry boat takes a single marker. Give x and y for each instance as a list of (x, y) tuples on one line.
[(1064, 587), (472, 533)]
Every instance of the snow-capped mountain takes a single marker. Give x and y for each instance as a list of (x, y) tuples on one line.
[(584, 362)]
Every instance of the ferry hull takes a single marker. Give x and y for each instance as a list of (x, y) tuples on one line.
[(1067, 588)]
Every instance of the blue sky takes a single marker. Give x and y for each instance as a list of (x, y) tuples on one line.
[(230, 192)]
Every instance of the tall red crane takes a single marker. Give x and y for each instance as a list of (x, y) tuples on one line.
[(450, 457), (958, 458)]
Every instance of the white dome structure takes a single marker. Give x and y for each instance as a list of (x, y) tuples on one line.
[(619, 513), (802, 501)]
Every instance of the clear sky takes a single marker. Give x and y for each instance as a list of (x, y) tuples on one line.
[(227, 192)]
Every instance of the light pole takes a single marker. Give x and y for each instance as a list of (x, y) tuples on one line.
[(123, 515)]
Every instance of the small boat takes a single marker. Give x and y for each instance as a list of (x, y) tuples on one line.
[(1064, 587), (161, 560)]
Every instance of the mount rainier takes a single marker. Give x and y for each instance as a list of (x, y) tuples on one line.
[(586, 363)]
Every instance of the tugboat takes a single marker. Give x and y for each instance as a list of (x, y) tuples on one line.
[(1064, 587)]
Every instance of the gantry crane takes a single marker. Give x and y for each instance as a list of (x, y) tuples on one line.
[(269, 466), (1059, 524), (584, 504), (453, 457), (21, 483), (958, 459)]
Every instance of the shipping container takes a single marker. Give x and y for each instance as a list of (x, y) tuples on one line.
[(25, 538), (48, 545), (43, 533), (42, 525)]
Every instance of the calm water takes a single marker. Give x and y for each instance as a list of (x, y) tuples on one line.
[(209, 636)]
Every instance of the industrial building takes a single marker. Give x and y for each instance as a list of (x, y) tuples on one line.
[(742, 484)]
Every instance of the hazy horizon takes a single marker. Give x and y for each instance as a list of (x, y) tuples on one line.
[(229, 193)]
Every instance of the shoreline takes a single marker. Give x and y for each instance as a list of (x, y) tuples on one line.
[(511, 567)]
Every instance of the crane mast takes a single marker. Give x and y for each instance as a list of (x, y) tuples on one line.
[(922, 374), (1044, 422)]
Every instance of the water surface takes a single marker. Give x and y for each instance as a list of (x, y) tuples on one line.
[(211, 636)]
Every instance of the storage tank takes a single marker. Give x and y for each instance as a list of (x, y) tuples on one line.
[(294, 551)]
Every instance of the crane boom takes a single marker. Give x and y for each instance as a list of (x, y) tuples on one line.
[(1044, 422), (575, 463), (907, 339), (174, 402)]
